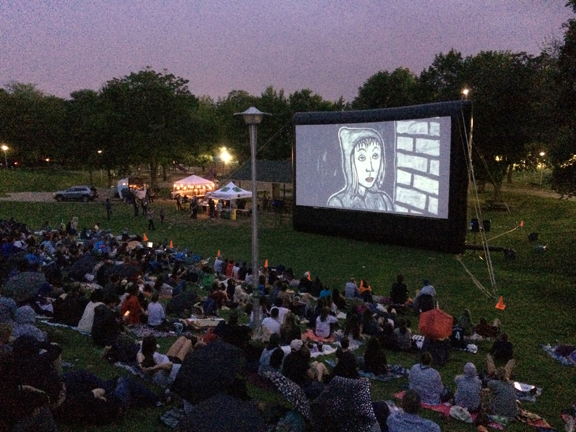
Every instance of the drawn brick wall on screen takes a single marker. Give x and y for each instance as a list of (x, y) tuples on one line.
[(417, 166)]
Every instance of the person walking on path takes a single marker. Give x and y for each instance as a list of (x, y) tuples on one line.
[(108, 207), (150, 215)]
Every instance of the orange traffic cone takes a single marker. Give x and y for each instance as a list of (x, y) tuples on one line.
[(501, 304), (266, 264), (309, 276), (521, 223), (144, 237), (171, 245), (218, 252)]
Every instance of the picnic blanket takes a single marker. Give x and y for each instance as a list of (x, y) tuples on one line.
[(309, 335), (419, 340), (496, 422), (396, 371), (141, 331), (314, 352), (566, 360)]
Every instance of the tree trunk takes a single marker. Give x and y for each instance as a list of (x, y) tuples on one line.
[(90, 176), (509, 172), (497, 191), (153, 174), (164, 173), (109, 173)]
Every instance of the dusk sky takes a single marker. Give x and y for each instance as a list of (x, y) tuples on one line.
[(328, 46)]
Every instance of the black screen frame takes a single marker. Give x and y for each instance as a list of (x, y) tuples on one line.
[(445, 235)]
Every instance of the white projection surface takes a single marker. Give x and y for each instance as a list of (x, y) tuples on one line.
[(399, 167)]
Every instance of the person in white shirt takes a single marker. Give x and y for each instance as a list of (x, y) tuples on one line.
[(271, 323), (323, 323), (156, 314)]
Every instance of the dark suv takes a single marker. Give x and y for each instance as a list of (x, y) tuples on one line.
[(77, 193)]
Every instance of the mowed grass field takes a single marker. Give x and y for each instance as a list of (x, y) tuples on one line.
[(537, 287)]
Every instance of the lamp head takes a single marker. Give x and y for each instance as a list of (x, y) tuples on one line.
[(252, 116)]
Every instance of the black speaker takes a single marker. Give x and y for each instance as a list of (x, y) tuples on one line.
[(486, 223), (475, 225)]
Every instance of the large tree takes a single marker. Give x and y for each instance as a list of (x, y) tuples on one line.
[(387, 89), (149, 119), (31, 123)]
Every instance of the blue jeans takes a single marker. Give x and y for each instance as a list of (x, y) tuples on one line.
[(132, 393)]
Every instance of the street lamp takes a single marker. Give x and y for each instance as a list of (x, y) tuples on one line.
[(5, 149), (542, 154), (253, 116), (465, 92)]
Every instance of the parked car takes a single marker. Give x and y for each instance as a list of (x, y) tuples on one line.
[(77, 193)]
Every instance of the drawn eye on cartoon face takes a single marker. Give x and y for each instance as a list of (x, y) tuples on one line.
[(367, 164)]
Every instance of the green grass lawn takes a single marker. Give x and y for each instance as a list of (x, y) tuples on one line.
[(537, 287)]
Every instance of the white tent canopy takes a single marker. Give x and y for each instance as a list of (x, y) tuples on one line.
[(194, 184), (230, 192)]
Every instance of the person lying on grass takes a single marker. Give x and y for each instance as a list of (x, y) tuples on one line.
[(163, 368)]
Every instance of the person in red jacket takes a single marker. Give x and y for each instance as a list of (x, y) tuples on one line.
[(130, 308)]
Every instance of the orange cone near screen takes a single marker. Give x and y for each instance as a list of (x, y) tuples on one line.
[(266, 264), (171, 245), (501, 304), (144, 237)]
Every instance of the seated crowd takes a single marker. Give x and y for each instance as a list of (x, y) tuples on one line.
[(104, 286)]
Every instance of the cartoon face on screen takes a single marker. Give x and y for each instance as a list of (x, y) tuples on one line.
[(363, 165)]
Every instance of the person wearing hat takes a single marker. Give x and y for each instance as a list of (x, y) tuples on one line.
[(408, 420), (297, 366)]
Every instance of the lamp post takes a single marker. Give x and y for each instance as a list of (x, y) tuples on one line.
[(253, 116), (465, 92), (542, 154), (5, 149)]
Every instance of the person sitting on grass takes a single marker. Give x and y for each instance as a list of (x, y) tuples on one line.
[(347, 366), (324, 323), (502, 352), (290, 330), (468, 388), (399, 291), (403, 336), (156, 314), (375, 360), (162, 368), (427, 382), (409, 420), (130, 307), (486, 330), (273, 344), (502, 395)]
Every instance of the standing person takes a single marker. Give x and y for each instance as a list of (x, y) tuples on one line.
[(212, 207), (135, 205), (150, 215), (162, 215), (144, 204), (194, 207), (218, 209), (108, 207), (178, 203)]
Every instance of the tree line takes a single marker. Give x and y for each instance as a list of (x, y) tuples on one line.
[(524, 106)]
